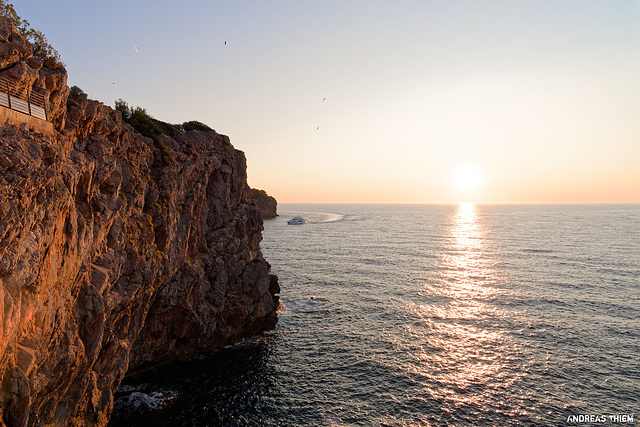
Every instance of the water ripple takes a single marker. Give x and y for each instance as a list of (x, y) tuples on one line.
[(428, 315)]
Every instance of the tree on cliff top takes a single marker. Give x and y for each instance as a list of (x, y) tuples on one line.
[(259, 193), (41, 47)]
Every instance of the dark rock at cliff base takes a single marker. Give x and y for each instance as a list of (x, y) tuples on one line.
[(268, 205), (111, 259), (274, 289)]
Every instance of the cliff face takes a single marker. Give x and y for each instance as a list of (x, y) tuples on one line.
[(110, 259), (268, 205), (19, 66)]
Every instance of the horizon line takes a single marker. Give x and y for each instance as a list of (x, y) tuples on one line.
[(461, 202)]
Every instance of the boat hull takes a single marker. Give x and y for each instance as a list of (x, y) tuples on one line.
[(296, 221)]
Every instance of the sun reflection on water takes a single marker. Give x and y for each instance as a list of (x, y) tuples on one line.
[(464, 349)]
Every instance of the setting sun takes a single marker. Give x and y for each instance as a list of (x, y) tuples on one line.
[(467, 178)]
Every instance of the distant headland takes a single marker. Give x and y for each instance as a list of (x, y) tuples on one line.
[(267, 204)]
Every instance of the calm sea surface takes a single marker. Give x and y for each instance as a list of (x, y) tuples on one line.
[(403, 315)]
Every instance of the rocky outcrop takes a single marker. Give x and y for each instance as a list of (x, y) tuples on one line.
[(13, 47), (111, 259), (19, 66), (268, 205)]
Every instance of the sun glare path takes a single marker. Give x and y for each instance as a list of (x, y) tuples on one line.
[(475, 354)]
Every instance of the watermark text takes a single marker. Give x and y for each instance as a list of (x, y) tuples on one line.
[(592, 418)]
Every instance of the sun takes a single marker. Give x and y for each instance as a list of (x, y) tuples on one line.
[(467, 178)]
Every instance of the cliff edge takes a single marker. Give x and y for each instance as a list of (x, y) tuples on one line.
[(113, 259)]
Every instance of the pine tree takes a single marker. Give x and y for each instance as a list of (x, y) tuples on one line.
[(42, 49)]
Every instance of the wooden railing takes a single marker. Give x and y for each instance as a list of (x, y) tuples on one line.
[(22, 99)]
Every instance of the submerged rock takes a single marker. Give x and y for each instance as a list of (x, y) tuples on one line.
[(111, 259)]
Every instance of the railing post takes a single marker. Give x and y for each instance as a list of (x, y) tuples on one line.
[(9, 94)]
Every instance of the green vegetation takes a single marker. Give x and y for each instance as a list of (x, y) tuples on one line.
[(152, 128), (195, 125), (258, 193), (41, 47), (148, 126), (75, 91), (74, 94), (142, 121)]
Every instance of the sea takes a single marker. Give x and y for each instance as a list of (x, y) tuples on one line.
[(427, 315)]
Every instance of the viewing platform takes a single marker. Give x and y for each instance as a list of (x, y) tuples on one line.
[(22, 106)]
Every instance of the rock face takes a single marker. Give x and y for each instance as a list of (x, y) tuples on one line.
[(268, 205), (111, 260), (18, 66)]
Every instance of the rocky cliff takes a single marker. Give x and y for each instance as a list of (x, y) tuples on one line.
[(268, 205), (111, 258)]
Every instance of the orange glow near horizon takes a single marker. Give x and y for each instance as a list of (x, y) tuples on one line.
[(543, 190)]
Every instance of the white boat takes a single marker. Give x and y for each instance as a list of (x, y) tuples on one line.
[(297, 220)]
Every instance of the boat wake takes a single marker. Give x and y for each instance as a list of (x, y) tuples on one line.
[(314, 217), (327, 217)]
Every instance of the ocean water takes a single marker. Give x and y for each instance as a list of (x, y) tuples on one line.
[(419, 315)]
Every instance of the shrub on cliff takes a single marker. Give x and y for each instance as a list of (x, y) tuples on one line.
[(142, 121), (152, 128), (75, 94), (147, 126), (195, 125), (41, 47)]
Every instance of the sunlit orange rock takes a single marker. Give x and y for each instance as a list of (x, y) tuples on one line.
[(113, 260)]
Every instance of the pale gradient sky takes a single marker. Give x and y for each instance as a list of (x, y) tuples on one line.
[(541, 97)]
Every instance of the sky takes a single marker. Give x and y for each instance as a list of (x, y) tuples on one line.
[(367, 101)]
